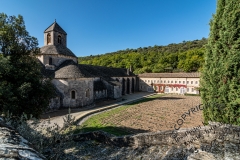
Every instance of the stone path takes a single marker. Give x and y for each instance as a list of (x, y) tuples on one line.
[(84, 113)]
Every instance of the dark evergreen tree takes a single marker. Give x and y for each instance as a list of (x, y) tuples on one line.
[(22, 85), (220, 79)]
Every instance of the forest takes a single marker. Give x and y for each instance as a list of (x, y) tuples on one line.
[(187, 56)]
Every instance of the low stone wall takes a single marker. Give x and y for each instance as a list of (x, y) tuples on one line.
[(215, 141), (14, 146)]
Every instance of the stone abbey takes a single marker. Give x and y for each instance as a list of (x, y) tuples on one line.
[(76, 84), (79, 85)]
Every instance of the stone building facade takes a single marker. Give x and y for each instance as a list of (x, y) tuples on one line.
[(76, 84), (179, 83)]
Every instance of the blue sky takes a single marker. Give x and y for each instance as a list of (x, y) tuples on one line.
[(103, 26)]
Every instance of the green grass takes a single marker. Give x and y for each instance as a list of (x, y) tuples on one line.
[(95, 122)]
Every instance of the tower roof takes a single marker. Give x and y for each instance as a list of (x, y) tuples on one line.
[(55, 27)]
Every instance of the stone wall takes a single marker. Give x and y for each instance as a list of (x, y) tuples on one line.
[(80, 86), (14, 146), (100, 94), (56, 59), (215, 141)]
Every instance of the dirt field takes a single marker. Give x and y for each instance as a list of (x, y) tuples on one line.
[(159, 114)]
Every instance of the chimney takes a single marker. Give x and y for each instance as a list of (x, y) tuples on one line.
[(127, 71)]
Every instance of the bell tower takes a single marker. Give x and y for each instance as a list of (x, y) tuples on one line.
[(55, 35), (55, 51)]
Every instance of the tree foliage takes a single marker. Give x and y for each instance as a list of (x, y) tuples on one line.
[(22, 85), (185, 56), (220, 83)]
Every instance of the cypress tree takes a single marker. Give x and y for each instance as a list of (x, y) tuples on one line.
[(220, 78)]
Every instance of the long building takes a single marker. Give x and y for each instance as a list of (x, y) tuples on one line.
[(179, 83)]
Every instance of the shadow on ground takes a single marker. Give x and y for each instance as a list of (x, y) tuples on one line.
[(64, 111), (117, 131)]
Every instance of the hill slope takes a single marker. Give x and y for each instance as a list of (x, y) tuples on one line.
[(186, 56)]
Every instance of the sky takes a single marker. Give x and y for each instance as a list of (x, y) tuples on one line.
[(102, 26)]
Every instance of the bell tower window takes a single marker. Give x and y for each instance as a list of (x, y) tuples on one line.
[(59, 39), (48, 38)]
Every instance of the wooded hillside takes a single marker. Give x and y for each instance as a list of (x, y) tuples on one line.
[(186, 56)]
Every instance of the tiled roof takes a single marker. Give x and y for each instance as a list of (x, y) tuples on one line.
[(55, 27), (70, 69), (56, 49), (170, 75), (100, 71)]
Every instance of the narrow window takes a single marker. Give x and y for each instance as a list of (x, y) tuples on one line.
[(88, 93), (48, 38), (187, 82), (176, 89), (73, 95), (179, 82), (50, 61), (196, 82), (183, 82), (187, 89), (191, 82), (59, 39), (192, 89), (175, 81)]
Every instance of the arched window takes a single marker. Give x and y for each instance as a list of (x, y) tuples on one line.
[(73, 95), (59, 39), (88, 93), (48, 38), (50, 61)]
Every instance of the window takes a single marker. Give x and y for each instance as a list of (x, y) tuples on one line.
[(179, 82), (187, 89), (148, 80), (171, 81), (175, 81), (158, 81), (191, 82), (176, 89), (145, 80), (73, 94), (167, 81), (59, 39), (154, 81), (172, 88), (187, 82), (196, 82), (50, 61), (164, 81), (192, 89), (161, 81), (48, 38), (183, 82)]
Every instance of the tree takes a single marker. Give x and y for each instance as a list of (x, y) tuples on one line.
[(220, 79), (22, 85)]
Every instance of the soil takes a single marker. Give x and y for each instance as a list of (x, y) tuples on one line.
[(159, 115)]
